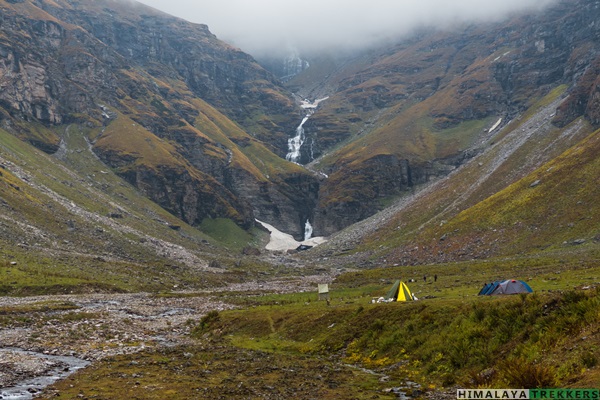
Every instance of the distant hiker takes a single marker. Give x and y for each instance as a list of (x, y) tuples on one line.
[(424, 278), (435, 278)]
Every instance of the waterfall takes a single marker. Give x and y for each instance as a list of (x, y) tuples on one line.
[(295, 143), (308, 230)]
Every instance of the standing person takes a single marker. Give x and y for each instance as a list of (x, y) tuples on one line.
[(424, 278), (435, 278)]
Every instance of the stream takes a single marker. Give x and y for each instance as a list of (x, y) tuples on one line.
[(103, 325), (54, 368)]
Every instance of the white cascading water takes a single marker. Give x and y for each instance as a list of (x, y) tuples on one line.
[(308, 230), (295, 143)]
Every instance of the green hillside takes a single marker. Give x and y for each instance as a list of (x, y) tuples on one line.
[(70, 225), (551, 209)]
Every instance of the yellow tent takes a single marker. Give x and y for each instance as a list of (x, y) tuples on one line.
[(399, 292)]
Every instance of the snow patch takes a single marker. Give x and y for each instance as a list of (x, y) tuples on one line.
[(281, 241), (307, 104), (496, 125)]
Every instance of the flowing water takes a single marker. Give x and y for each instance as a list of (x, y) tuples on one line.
[(295, 143), (308, 230), (295, 146), (58, 367)]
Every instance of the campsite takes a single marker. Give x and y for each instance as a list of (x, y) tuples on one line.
[(448, 338)]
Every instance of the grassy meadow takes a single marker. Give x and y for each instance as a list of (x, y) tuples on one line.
[(278, 345)]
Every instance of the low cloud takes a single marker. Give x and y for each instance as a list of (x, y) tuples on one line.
[(267, 26)]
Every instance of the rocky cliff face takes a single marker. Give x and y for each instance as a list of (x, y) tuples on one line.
[(177, 191), (290, 203), (583, 100), (45, 77), (169, 48), (71, 62), (382, 175), (396, 117)]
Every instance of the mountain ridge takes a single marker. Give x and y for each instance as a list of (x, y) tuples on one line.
[(459, 218), (132, 170), (201, 129)]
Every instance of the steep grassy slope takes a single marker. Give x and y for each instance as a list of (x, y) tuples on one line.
[(164, 175), (551, 209), (508, 155), (69, 224), (554, 205), (170, 48)]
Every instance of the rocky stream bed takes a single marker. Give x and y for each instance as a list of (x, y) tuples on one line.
[(66, 333), (44, 339)]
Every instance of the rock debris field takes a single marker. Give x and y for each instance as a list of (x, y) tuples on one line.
[(38, 333), (91, 327)]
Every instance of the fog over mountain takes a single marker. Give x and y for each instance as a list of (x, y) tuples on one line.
[(264, 26)]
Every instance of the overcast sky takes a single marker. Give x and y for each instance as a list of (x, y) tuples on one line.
[(257, 26)]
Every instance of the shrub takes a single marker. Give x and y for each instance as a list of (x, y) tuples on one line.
[(589, 359), (208, 320), (478, 313), (522, 373), (378, 326), (480, 379)]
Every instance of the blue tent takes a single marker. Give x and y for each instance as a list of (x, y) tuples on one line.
[(488, 288), (511, 286), (484, 289)]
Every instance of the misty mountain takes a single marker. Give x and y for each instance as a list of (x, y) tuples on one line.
[(138, 150), (402, 115), (123, 96), (270, 28)]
